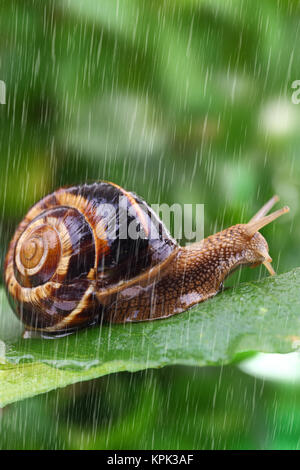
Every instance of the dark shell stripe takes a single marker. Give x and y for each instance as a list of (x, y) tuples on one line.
[(65, 298), (72, 197), (82, 248), (88, 312), (132, 199), (32, 316), (78, 315)]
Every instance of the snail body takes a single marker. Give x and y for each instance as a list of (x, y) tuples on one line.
[(64, 271)]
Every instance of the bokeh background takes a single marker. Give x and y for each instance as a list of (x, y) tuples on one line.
[(182, 102)]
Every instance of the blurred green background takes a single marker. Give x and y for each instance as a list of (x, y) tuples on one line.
[(182, 102)]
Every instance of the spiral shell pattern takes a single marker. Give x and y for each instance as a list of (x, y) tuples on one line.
[(49, 266)]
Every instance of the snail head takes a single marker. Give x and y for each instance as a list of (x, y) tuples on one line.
[(258, 250)]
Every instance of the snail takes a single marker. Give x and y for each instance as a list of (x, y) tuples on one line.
[(69, 264)]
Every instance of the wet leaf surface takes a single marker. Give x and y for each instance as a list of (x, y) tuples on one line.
[(258, 316)]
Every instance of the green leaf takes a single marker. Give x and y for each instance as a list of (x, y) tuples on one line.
[(257, 316)]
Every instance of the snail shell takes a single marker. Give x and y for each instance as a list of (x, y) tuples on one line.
[(61, 254), (64, 270)]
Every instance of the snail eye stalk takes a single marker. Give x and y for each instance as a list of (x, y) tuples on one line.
[(269, 267)]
